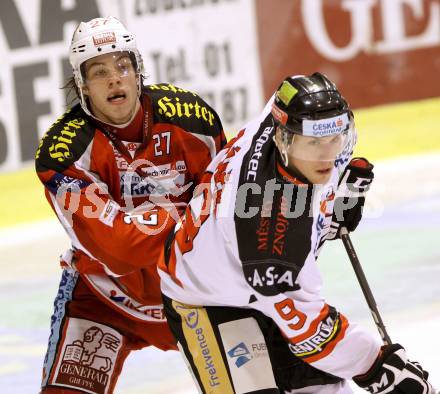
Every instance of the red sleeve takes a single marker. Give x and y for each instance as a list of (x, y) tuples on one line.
[(96, 224)]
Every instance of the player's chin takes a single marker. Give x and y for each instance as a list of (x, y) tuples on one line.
[(120, 115), (321, 176)]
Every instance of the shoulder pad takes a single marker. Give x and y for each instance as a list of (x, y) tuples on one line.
[(183, 108), (65, 141)]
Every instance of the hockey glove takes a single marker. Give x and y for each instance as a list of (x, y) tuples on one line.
[(392, 373), (350, 198)]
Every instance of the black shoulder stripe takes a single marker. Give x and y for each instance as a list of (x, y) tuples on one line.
[(273, 244), (183, 108), (65, 141)]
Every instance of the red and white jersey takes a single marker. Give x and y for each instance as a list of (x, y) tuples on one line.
[(250, 239), (117, 201)]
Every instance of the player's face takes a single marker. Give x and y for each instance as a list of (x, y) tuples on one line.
[(316, 172), (111, 87), (314, 157)]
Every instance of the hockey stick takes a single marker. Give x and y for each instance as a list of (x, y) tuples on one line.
[(364, 286), (345, 237)]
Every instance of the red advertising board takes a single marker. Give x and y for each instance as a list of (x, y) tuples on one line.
[(377, 51)]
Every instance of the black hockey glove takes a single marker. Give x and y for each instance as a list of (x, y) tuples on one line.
[(392, 373), (350, 197)]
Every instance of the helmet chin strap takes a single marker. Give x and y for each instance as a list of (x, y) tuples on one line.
[(282, 147), (285, 157), (84, 104)]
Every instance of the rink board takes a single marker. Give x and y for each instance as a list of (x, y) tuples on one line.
[(383, 132)]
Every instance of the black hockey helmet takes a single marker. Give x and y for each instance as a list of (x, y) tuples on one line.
[(312, 97), (314, 120)]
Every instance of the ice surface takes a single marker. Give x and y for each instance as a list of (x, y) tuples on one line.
[(397, 244)]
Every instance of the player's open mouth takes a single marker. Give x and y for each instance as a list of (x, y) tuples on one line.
[(116, 98)]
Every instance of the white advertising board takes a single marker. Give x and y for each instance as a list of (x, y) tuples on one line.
[(208, 46)]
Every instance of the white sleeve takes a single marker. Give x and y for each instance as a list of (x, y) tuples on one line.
[(317, 333)]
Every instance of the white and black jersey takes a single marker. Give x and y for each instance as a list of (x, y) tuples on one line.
[(250, 239)]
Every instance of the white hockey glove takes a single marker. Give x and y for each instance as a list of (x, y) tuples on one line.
[(355, 181), (392, 373)]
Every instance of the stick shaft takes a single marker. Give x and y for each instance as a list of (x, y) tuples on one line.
[(364, 286)]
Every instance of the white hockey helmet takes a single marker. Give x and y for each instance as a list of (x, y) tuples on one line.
[(97, 37)]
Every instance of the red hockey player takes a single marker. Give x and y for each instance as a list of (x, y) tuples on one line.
[(116, 168)]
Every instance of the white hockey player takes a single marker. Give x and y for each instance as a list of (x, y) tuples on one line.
[(240, 281)]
